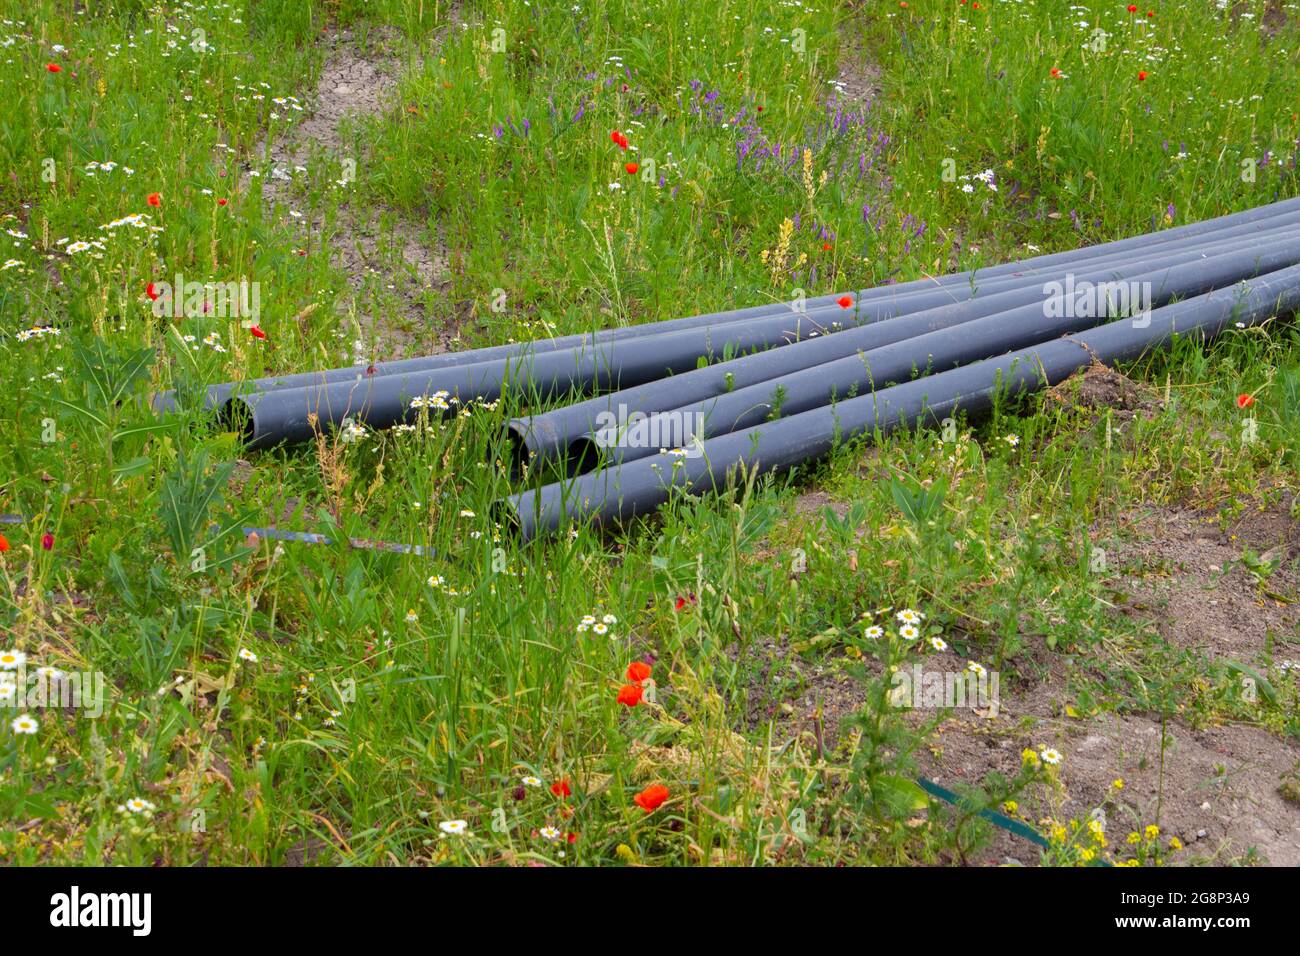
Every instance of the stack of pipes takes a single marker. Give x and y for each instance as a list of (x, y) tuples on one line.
[(682, 403)]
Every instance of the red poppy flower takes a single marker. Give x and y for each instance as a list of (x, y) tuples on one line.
[(638, 671), (256, 332), (681, 602), (1142, 75), (561, 788), (54, 67), (1151, 13), (826, 247), (47, 541), (1056, 72), (760, 109), (151, 291), (1132, 8), (631, 168), (844, 301), (153, 199), (4, 544), (629, 695), (1245, 400), (651, 798), (221, 202), (613, 137), (571, 837)]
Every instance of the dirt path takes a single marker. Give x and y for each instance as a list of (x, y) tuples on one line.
[(857, 81), (395, 266)]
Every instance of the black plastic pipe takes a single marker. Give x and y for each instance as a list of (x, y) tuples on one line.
[(639, 487), (935, 351), (552, 435), (218, 395)]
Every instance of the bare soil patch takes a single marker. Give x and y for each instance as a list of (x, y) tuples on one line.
[(1217, 790), (1099, 387), (395, 267), (1190, 579)]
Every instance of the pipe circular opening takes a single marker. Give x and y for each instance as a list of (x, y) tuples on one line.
[(237, 416)]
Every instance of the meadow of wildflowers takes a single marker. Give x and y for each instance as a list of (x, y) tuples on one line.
[(718, 686)]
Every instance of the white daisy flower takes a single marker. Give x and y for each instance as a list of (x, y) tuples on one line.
[(246, 655), (1050, 756), (25, 724), (11, 659), (908, 632), (352, 432), (454, 827)]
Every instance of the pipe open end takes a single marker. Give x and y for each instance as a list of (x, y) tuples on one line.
[(518, 452), (583, 455), (236, 415), (505, 513)]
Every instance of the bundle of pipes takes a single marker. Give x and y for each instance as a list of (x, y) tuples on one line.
[(729, 408), (635, 488), (784, 378), (288, 408), (1252, 220), (735, 394)]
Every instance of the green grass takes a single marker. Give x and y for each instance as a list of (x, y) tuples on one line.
[(379, 704)]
